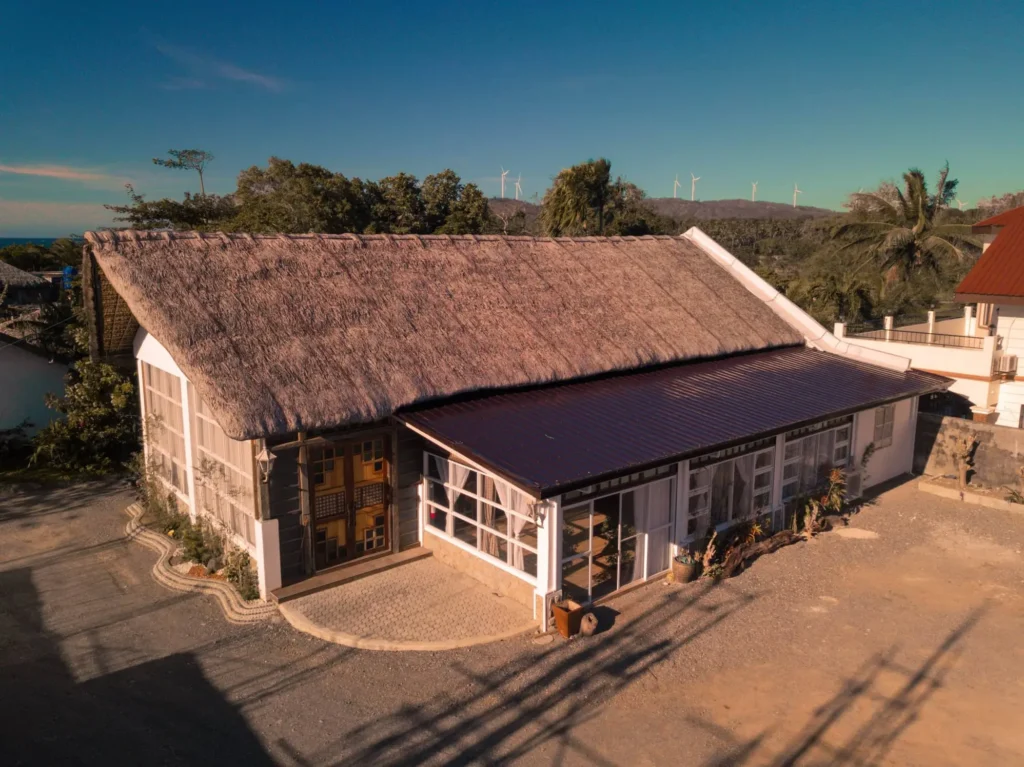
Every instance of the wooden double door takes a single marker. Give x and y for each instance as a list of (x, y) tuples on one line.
[(351, 499)]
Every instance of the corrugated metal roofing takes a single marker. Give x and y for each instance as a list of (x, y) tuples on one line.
[(555, 438), (1000, 269)]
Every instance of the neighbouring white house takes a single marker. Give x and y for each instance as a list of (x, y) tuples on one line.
[(27, 374), (553, 416), (979, 350)]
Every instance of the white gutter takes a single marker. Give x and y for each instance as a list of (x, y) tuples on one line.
[(814, 334)]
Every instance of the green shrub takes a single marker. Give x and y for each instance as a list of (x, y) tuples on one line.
[(239, 572), (200, 542), (100, 429)]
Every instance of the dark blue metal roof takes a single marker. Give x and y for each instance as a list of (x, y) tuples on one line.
[(555, 438)]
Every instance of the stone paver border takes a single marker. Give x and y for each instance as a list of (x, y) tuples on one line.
[(301, 623), (235, 608), (933, 487)]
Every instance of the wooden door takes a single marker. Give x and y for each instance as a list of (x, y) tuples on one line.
[(351, 500)]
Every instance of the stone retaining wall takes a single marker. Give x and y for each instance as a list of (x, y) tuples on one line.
[(998, 456)]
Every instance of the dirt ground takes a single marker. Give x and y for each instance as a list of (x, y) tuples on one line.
[(893, 641)]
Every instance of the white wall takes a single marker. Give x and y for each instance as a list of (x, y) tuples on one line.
[(24, 379), (1010, 325), (897, 458)]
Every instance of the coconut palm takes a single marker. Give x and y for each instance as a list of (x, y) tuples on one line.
[(576, 204), (903, 229)]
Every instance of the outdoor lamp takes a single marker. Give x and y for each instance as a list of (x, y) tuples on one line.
[(265, 460)]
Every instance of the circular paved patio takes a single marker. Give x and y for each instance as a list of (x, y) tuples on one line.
[(424, 605)]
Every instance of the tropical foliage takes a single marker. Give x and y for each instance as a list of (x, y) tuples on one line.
[(903, 231)]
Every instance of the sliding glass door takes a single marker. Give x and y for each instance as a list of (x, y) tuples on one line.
[(612, 541)]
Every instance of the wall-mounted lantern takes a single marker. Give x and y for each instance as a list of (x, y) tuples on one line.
[(265, 460)]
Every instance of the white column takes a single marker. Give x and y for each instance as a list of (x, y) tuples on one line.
[(968, 312), (680, 513), (268, 556), (780, 460), (186, 429), (143, 414), (888, 327), (549, 558), (839, 329), (931, 325)]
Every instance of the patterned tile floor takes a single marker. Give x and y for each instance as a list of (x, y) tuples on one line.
[(424, 601)]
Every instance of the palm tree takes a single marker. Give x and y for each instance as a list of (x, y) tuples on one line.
[(902, 229), (579, 195)]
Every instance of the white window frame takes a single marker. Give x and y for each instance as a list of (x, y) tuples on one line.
[(448, 533), (696, 489), (588, 502), (885, 419)]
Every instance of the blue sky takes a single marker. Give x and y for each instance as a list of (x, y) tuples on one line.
[(835, 96)]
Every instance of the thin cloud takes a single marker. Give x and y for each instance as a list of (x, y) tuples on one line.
[(66, 173), (206, 67), (20, 218)]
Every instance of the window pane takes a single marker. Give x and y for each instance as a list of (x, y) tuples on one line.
[(742, 486), (763, 480), (699, 502), (721, 492), (465, 531), (575, 530), (764, 460)]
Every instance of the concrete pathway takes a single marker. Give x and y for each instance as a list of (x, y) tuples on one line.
[(424, 605)]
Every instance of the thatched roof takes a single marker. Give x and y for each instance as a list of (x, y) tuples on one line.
[(16, 278), (301, 332)]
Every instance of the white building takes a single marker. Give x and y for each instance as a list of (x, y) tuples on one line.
[(553, 416)]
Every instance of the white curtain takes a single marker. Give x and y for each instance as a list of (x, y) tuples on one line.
[(488, 540), (513, 500), (659, 517), (459, 474), (743, 487)]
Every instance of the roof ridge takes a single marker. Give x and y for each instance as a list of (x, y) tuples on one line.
[(111, 236)]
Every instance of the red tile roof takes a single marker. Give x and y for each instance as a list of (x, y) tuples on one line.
[(999, 272), (1005, 218)]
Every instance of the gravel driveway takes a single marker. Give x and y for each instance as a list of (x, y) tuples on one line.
[(898, 643)]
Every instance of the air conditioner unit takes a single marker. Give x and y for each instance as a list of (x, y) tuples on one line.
[(1007, 364), (854, 481)]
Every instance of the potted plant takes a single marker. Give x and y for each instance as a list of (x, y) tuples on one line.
[(568, 615), (685, 567)]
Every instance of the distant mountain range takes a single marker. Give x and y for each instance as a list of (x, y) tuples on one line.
[(683, 210)]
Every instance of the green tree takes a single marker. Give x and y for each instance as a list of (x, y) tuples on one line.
[(905, 231), (469, 214), (832, 287), (187, 159), (199, 212), (398, 206), (100, 428), (439, 192), (577, 200), (284, 197)]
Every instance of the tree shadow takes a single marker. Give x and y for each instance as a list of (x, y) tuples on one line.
[(538, 699), (869, 744), (163, 711)]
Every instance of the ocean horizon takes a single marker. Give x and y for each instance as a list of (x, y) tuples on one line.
[(44, 241)]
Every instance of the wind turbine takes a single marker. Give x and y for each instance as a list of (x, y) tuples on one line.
[(960, 205), (519, 188), (503, 174), (693, 186), (753, 195), (796, 191), (675, 187)]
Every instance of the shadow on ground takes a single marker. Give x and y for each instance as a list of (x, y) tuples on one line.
[(159, 712), (538, 699), (818, 743)]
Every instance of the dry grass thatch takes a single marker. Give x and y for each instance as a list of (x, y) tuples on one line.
[(298, 332), (16, 278)]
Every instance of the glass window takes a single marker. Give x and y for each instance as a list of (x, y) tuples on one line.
[(885, 416), (480, 511)]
